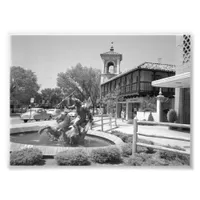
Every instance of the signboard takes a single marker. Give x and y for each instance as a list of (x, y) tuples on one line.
[(32, 100)]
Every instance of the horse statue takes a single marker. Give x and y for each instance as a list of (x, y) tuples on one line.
[(65, 131)]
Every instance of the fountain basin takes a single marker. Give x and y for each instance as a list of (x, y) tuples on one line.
[(27, 137)]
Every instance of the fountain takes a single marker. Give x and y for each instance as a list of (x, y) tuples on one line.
[(62, 134), (27, 136)]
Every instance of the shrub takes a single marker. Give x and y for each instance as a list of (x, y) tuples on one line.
[(128, 139), (124, 137), (175, 157), (174, 147), (183, 159), (145, 149), (155, 162), (171, 116), (150, 117), (28, 156), (127, 150), (144, 159), (135, 160), (74, 157), (106, 155)]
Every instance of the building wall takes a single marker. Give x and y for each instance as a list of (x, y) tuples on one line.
[(182, 95), (182, 69), (184, 56), (146, 75), (137, 82)]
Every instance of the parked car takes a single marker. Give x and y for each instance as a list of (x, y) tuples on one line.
[(54, 112), (35, 114)]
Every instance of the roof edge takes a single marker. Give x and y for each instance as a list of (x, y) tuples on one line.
[(138, 67)]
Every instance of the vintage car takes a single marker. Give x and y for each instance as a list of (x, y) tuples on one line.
[(54, 112), (36, 114)]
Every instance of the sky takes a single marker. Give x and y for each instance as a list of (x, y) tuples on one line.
[(48, 55)]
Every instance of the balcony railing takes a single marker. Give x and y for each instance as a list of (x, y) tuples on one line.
[(144, 87)]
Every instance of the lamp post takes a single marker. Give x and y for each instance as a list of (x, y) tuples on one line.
[(160, 99)]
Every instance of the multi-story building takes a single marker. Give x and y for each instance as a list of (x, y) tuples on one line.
[(134, 85)]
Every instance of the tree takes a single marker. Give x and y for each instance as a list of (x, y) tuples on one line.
[(23, 85), (110, 100), (84, 81), (52, 95)]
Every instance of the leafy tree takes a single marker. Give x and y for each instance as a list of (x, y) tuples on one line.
[(23, 85), (84, 81), (52, 95), (111, 100)]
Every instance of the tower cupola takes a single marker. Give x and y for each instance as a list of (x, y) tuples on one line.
[(111, 64)]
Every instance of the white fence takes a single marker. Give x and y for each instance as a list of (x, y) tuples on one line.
[(104, 120), (135, 136)]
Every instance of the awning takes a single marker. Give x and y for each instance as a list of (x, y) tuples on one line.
[(177, 81)]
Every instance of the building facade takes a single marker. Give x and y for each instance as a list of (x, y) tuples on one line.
[(134, 86)]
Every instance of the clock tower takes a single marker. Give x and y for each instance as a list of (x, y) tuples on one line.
[(111, 64)]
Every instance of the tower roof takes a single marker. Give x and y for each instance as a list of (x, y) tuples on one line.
[(112, 52)]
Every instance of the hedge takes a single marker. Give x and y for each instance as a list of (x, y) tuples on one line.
[(126, 149), (73, 157), (124, 136), (110, 155), (27, 156)]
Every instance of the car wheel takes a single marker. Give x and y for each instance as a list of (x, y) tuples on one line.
[(37, 120), (25, 120)]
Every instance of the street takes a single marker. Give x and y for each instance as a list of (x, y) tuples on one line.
[(16, 120)]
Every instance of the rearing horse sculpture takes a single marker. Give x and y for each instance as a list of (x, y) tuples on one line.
[(65, 132)]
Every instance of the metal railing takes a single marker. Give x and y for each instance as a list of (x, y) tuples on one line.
[(136, 134)]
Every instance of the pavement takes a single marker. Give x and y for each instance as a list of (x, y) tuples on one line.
[(125, 128)]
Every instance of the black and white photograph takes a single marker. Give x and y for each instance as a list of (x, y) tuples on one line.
[(100, 100)]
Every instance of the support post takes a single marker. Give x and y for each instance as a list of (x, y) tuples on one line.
[(135, 129), (160, 98), (102, 120), (110, 120), (116, 114), (127, 110)]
